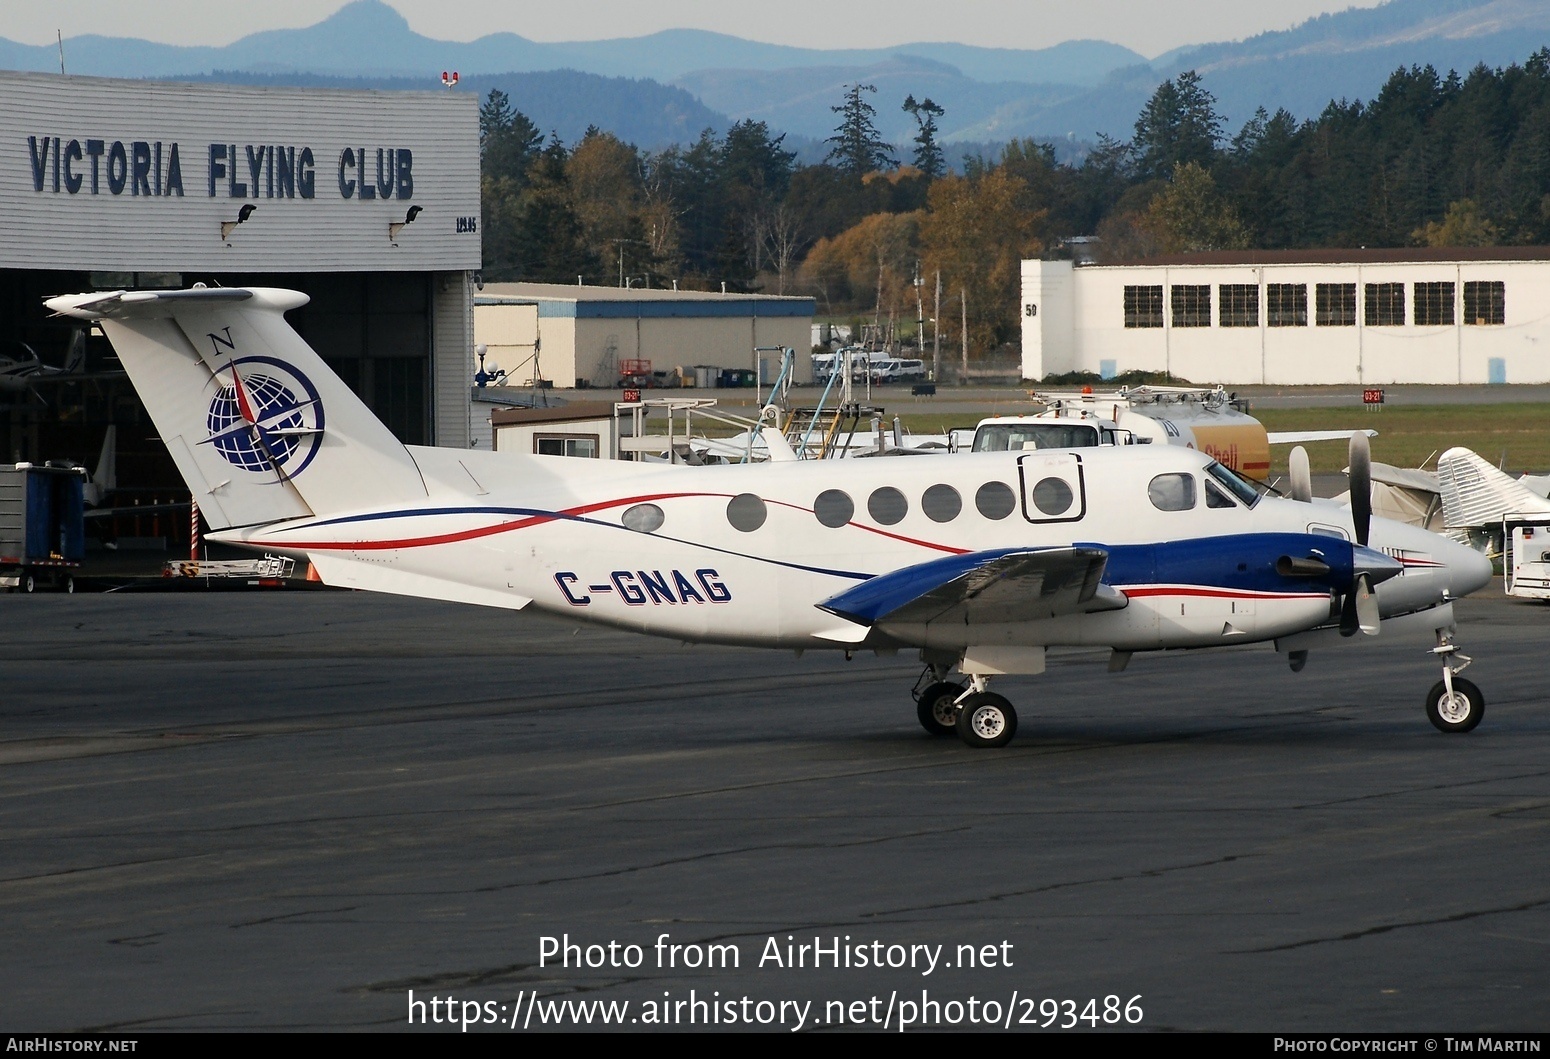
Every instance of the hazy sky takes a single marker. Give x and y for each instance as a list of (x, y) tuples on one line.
[(1148, 26)]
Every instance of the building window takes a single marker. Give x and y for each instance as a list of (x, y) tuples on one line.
[(1385, 304), (1485, 302), (1286, 304), (1238, 303), (566, 445), (1335, 304), (1144, 306), (1192, 305), (1433, 304)]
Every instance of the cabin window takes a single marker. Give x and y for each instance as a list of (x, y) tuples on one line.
[(1191, 305), (643, 518), (1335, 304), (1385, 304), (1485, 302), (941, 503), (746, 512), (1144, 306), (833, 508), (1433, 304), (1238, 304), (1286, 304), (1053, 496), (1172, 492), (995, 500), (887, 506)]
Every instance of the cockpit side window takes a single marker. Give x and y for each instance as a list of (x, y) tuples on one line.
[(1246, 493), (1172, 492), (1215, 497)]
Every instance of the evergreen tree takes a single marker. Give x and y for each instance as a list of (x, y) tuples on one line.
[(508, 140), (1179, 124), (858, 148), (928, 154)]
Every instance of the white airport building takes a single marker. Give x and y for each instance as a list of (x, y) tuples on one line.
[(584, 336), (1362, 317), (366, 201)]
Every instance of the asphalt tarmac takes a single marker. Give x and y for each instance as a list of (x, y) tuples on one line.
[(287, 810)]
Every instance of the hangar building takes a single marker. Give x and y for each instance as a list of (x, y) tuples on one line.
[(1363, 317), (109, 184), (584, 335)]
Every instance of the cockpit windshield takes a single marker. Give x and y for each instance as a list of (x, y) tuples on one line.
[(1001, 437), (1246, 493)]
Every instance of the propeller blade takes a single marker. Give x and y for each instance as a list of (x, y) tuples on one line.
[(1367, 617), (1360, 475), (1350, 620), (1302, 478)]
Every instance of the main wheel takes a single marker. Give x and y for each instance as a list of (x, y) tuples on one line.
[(1459, 712), (29, 583), (937, 707), (986, 720)]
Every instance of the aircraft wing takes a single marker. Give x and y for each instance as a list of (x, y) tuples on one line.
[(1300, 437), (983, 587)]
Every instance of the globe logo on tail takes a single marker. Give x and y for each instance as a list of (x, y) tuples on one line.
[(265, 417)]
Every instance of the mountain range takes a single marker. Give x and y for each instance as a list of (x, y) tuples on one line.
[(667, 86)]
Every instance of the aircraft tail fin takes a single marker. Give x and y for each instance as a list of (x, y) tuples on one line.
[(1474, 493), (259, 427), (75, 354), (105, 478)]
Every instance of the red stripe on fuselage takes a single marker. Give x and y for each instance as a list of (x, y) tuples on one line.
[(533, 520), (1219, 593)]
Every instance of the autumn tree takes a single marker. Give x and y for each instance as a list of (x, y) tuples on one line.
[(1465, 224), (873, 261), (604, 176), (977, 233), (858, 148), (1190, 215)]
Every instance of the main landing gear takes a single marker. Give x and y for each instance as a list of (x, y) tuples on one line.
[(980, 718), (1455, 704)]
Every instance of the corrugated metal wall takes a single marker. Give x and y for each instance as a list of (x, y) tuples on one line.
[(102, 174)]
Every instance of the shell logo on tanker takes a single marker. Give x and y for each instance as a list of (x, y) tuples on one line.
[(1244, 449)]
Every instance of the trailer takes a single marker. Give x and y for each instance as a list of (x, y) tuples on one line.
[(1526, 555), (42, 525)]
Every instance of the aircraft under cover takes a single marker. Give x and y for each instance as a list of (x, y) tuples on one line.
[(979, 562)]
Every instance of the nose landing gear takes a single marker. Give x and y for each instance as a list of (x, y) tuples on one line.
[(1454, 704)]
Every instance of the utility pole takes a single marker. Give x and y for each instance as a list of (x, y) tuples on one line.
[(920, 312), (964, 295), (936, 332)]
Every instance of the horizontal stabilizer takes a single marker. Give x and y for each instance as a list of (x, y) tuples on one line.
[(984, 587)]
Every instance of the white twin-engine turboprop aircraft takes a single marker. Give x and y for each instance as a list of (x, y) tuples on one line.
[(979, 562)]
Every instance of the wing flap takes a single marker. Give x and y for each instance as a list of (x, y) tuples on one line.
[(983, 588)]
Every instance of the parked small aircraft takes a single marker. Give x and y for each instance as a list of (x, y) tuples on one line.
[(980, 562)]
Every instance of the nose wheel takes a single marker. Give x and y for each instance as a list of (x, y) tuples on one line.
[(1454, 704)]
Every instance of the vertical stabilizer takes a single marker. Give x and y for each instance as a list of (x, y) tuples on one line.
[(1476, 494), (260, 428)]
